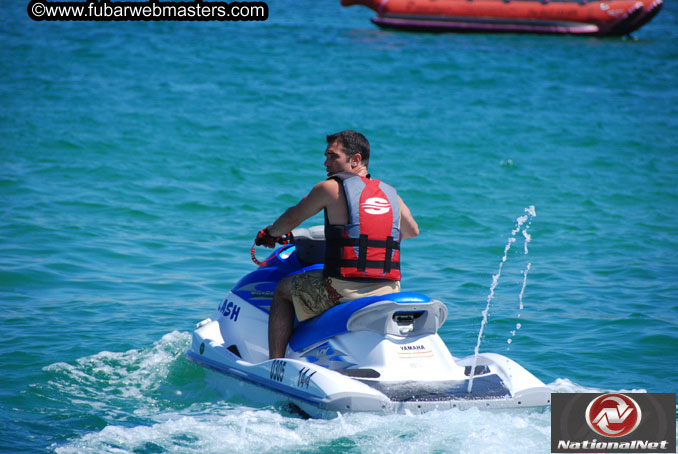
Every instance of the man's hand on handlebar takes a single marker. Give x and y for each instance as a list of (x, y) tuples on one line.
[(264, 238)]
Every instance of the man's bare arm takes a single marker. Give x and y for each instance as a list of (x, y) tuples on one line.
[(408, 226), (319, 197)]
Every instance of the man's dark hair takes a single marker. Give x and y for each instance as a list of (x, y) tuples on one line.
[(353, 143)]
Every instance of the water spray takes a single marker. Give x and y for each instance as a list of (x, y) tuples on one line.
[(522, 289), (520, 221)]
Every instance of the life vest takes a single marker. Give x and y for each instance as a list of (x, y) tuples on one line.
[(368, 246)]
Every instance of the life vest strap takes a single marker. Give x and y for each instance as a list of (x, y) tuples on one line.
[(355, 242), (380, 264), (390, 245), (362, 252)]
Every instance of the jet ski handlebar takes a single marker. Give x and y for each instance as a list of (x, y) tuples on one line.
[(264, 238), (310, 244)]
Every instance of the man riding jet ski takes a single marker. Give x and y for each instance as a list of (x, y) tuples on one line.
[(365, 220), (360, 344)]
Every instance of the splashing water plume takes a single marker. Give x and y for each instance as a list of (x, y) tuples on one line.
[(520, 221), (520, 298), (528, 238)]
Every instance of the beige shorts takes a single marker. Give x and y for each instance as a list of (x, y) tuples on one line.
[(313, 294)]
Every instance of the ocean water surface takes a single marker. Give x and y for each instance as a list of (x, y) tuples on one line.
[(138, 160)]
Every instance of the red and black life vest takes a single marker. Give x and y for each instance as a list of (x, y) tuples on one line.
[(368, 246)]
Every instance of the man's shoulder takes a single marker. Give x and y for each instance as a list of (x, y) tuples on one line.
[(326, 190), (327, 185)]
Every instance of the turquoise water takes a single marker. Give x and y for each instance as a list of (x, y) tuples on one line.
[(138, 161)]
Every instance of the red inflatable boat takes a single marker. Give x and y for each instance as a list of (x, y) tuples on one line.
[(580, 17)]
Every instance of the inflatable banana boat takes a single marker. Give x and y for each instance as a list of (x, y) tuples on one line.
[(576, 17)]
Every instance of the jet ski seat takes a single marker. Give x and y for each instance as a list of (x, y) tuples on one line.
[(398, 314), (310, 244)]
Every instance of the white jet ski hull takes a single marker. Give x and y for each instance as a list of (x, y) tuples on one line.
[(378, 354)]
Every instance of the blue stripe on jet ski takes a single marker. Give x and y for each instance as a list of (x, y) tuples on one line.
[(258, 287), (333, 321)]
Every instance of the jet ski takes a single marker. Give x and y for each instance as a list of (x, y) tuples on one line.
[(377, 354)]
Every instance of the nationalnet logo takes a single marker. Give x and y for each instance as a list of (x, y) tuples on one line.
[(613, 415), (613, 422)]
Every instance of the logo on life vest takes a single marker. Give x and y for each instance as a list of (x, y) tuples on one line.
[(375, 205)]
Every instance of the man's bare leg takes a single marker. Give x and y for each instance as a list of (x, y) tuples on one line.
[(280, 319)]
